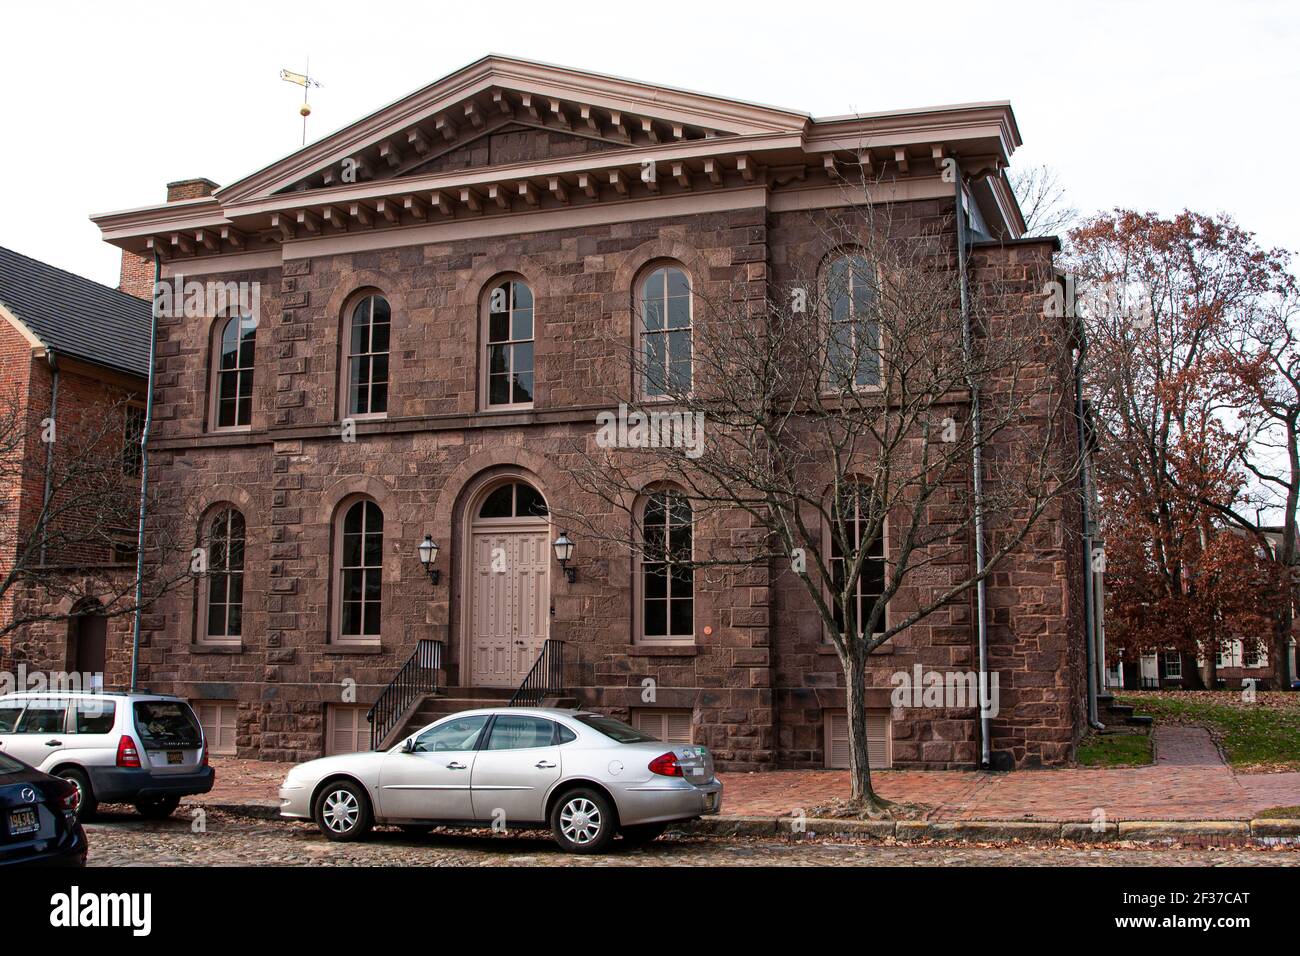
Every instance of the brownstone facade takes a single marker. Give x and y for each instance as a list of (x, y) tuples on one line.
[(758, 680)]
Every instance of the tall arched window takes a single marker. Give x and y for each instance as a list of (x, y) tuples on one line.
[(224, 604), (508, 372), (666, 579), (367, 360), (665, 303), (359, 571), (854, 511), (853, 336), (234, 372)]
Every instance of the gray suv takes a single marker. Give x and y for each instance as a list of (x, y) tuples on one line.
[(144, 749)]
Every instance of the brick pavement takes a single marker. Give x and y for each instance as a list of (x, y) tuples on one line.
[(1188, 781)]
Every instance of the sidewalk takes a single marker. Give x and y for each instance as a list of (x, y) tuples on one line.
[(1188, 781)]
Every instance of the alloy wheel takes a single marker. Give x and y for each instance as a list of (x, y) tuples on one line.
[(580, 821), (341, 811)]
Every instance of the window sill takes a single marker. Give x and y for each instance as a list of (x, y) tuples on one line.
[(663, 650), (358, 648), (216, 648)]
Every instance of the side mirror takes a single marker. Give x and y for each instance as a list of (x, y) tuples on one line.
[(408, 745)]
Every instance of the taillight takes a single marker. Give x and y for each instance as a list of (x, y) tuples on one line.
[(72, 799), (127, 755), (204, 761), (666, 765)]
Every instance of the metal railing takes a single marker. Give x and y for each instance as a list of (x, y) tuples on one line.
[(546, 679), (418, 676)]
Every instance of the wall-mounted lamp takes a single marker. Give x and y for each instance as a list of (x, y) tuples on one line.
[(563, 553), (428, 550)]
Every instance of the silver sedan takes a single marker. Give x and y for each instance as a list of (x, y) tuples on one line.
[(585, 776)]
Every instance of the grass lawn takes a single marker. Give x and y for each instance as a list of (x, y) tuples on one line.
[(1114, 750), (1259, 737)]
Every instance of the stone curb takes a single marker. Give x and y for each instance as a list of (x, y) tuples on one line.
[(1004, 831), (983, 831)]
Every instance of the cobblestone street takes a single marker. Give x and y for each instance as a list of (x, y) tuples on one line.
[(126, 840)]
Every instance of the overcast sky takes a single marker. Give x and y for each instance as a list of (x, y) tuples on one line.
[(1155, 105)]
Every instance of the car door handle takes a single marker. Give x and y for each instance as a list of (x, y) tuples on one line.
[(455, 765), (54, 743), (543, 765)]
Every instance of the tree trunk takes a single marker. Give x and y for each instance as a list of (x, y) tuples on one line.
[(855, 674)]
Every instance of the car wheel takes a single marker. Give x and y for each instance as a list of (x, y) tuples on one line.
[(78, 778), (642, 833), (582, 821), (343, 811), (157, 808)]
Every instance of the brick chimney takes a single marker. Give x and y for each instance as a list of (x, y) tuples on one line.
[(190, 189), (136, 277)]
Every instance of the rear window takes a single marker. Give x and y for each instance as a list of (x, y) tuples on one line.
[(95, 716), (615, 729), (166, 723), (10, 765)]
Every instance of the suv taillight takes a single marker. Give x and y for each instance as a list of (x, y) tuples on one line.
[(203, 762), (666, 765), (127, 755)]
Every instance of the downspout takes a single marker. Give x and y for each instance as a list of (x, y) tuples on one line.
[(49, 448), (1089, 594), (144, 475), (977, 470)]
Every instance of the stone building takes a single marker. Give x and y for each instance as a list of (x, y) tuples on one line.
[(436, 288)]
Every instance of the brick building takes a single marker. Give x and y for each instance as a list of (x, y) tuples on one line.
[(435, 281), (74, 359)]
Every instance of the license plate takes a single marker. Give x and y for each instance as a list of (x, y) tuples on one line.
[(23, 821), (175, 756)]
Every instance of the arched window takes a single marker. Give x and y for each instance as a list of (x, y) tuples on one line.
[(665, 304), (853, 336), (665, 577), (508, 372), (359, 571), (515, 499), (234, 372), (367, 359), (853, 511), (224, 604)]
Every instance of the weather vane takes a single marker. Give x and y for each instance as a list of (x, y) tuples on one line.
[(305, 81)]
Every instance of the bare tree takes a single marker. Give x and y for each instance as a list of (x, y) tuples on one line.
[(1043, 201), (836, 417), (69, 506)]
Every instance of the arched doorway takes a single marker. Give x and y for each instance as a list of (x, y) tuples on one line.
[(508, 617)]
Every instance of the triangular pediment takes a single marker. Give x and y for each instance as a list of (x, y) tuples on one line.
[(501, 111)]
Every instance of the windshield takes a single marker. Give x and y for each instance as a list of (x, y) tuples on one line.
[(166, 723), (615, 729)]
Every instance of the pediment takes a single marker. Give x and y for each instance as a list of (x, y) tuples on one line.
[(503, 111)]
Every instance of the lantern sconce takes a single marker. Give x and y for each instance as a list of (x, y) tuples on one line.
[(428, 550), (564, 553)]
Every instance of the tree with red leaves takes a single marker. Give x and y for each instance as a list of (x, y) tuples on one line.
[(1163, 300)]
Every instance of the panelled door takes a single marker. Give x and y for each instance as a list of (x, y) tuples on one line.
[(510, 604), (509, 612)]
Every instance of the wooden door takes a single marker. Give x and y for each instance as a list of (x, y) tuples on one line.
[(509, 605)]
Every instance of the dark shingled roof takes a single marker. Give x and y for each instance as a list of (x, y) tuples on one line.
[(75, 316)]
